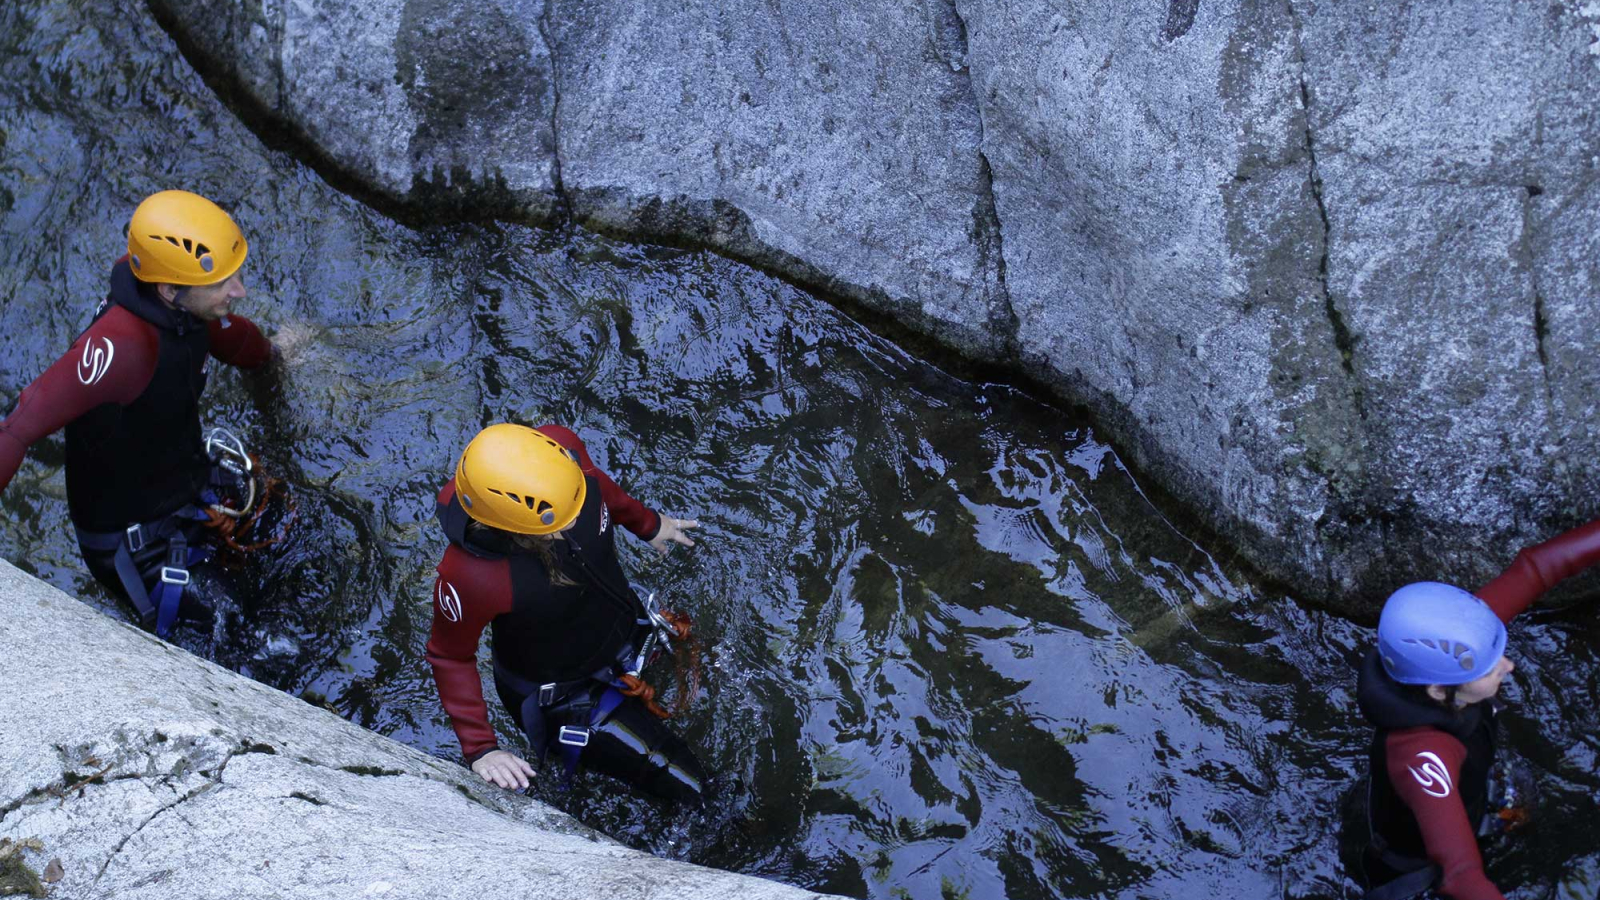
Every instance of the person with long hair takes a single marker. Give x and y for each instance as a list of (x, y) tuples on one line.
[(532, 556)]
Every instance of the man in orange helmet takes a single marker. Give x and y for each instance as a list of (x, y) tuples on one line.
[(128, 394)]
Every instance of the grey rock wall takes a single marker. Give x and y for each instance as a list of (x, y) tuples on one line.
[(1326, 271), (143, 772)]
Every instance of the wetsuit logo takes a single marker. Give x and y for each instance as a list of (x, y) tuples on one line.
[(1432, 775), (96, 361), (444, 594), (605, 518)]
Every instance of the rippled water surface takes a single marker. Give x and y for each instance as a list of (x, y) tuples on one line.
[(953, 650)]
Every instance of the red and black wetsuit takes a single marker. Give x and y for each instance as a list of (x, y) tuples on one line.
[(128, 393), (565, 639), (539, 631), (1429, 767)]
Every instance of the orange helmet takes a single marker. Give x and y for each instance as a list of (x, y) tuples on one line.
[(177, 237), (516, 479)]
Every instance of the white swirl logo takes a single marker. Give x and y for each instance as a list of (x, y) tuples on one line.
[(96, 360), (1432, 775), (605, 518), (444, 593)]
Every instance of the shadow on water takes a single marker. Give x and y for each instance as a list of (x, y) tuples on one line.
[(953, 651)]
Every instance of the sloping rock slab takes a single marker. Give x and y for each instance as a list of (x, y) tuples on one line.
[(150, 773)]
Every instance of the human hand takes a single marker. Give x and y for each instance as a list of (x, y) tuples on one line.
[(290, 342), (503, 768), (673, 530)]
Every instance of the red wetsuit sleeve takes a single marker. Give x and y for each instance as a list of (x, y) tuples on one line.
[(111, 362), (239, 344), (625, 511), (467, 595), (1425, 768), (1538, 568)]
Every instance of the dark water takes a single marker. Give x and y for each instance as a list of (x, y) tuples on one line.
[(954, 652)]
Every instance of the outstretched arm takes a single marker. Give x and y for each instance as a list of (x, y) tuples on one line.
[(1537, 569), (238, 342)]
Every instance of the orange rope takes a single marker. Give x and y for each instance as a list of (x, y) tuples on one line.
[(231, 531), (688, 660)]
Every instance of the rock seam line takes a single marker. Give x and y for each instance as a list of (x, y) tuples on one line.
[(546, 33), (1541, 325), (213, 779), (1002, 314), (1344, 341)]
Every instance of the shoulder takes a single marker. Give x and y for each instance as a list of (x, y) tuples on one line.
[(569, 439), (1424, 761), (474, 580), (113, 359), (119, 334)]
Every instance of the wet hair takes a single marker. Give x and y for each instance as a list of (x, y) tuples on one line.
[(1419, 693), (537, 544)]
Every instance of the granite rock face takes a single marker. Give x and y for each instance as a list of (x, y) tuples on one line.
[(142, 771), (1326, 271)]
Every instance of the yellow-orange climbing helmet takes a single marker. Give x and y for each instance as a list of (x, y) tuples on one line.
[(177, 237), (517, 479)]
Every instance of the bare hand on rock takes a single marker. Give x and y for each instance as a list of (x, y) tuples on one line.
[(503, 768)]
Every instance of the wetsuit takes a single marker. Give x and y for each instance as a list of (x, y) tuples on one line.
[(128, 394), (568, 639), (1430, 767)]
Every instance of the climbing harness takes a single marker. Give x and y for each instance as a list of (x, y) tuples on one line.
[(1513, 793), (572, 712), (235, 473)]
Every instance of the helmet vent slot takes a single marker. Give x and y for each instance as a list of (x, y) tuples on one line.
[(188, 245), (201, 250)]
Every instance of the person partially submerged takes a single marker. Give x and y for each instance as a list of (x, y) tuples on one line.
[(140, 475), (1429, 689), (532, 556)]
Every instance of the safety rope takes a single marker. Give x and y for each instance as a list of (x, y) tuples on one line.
[(232, 529), (687, 658)]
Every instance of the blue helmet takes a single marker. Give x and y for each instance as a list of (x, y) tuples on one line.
[(1432, 633)]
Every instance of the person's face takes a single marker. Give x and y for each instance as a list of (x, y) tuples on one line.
[(1478, 689), (206, 302)]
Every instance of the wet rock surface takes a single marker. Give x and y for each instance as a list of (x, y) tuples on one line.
[(1327, 270), (136, 770)]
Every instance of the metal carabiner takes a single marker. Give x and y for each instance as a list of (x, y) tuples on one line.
[(225, 449)]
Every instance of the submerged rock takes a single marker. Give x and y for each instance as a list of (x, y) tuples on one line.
[(1326, 271)]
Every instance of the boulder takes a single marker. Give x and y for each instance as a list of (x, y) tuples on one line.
[(1326, 272), (135, 770)]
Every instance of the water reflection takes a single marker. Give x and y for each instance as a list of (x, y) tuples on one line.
[(953, 650)]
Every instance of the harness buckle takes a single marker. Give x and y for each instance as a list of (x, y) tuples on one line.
[(547, 694), (135, 537), (171, 575), (573, 737)]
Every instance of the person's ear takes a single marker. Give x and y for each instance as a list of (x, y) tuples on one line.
[(1436, 691), (167, 292)]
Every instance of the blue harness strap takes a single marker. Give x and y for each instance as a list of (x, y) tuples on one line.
[(569, 700), (161, 604), (573, 739)]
